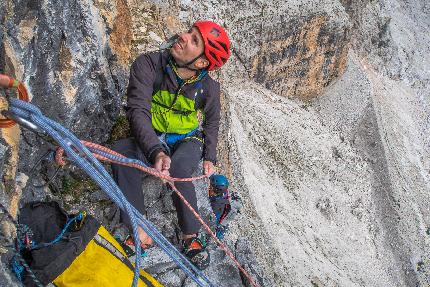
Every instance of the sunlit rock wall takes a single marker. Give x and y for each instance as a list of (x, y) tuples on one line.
[(294, 48)]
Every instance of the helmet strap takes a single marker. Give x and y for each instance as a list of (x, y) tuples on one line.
[(198, 77), (186, 65)]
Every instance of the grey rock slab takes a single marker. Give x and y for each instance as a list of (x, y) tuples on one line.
[(7, 279), (306, 205)]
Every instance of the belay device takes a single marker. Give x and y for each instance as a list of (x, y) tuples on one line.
[(221, 202)]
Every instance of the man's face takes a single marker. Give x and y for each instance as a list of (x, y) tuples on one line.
[(188, 46)]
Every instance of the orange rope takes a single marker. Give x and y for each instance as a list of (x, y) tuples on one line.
[(8, 82), (170, 180), (152, 171)]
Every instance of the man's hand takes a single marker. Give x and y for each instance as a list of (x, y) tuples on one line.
[(162, 163), (208, 168)]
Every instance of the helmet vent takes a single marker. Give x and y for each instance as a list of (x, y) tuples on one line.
[(212, 44), (213, 55), (224, 46), (215, 32)]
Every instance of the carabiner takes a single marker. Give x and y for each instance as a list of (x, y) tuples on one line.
[(23, 122)]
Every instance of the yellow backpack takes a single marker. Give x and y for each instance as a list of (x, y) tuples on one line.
[(66, 251)]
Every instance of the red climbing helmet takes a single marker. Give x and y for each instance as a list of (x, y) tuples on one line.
[(217, 44)]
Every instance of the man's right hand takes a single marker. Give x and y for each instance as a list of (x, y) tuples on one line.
[(162, 163)]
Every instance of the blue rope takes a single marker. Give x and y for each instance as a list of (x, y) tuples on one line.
[(17, 268), (83, 158), (19, 264), (78, 217), (103, 179)]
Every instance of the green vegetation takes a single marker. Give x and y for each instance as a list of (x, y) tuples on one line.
[(120, 130), (78, 187)]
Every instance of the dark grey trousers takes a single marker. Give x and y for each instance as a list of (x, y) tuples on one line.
[(185, 158)]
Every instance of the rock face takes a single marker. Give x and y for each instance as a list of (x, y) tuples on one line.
[(382, 107), (74, 58), (301, 59), (324, 133), (295, 49), (307, 186)]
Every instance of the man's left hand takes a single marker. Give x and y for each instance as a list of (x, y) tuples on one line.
[(208, 168)]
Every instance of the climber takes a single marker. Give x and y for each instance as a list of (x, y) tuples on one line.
[(167, 91)]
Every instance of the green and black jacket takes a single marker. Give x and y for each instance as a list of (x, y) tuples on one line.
[(150, 112)]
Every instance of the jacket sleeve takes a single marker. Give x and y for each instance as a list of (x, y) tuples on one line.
[(138, 109), (212, 111)]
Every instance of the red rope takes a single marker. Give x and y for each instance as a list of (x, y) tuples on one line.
[(152, 171), (171, 181)]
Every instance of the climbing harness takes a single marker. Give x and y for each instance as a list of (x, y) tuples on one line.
[(86, 155)]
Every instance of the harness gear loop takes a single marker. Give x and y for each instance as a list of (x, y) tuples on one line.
[(8, 82)]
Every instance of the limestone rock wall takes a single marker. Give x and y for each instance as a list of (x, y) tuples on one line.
[(294, 48), (73, 56), (381, 106)]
